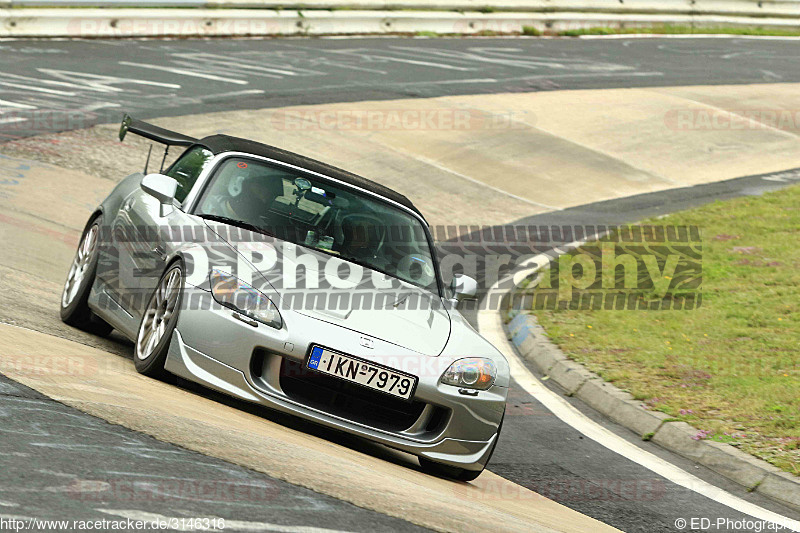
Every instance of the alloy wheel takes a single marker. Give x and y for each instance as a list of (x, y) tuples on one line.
[(80, 266), (161, 309)]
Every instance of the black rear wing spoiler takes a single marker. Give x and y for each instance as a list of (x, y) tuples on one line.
[(154, 133)]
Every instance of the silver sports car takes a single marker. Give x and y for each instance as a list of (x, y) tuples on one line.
[(295, 285)]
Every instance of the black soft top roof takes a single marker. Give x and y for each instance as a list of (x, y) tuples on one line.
[(225, 143)]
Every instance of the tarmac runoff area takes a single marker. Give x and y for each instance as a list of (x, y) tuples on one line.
[(493, 159), (518, 155)]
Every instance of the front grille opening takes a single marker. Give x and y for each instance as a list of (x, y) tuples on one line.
[(257, 363), (348, 400), (437, 420)]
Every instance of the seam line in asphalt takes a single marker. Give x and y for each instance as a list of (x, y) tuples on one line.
[(434, 164)]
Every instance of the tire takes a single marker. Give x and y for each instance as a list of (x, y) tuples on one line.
[(80, 278), (459, 474), (158, 323)]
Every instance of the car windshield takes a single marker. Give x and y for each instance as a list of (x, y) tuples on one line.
[(319, 215)]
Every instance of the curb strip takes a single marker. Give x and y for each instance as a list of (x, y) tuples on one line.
[(752, 473)]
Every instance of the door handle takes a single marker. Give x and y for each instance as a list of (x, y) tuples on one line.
[(159, 252)]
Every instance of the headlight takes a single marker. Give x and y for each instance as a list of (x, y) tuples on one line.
[(471, 373), (235, 294)]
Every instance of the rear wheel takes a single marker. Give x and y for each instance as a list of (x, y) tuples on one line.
[(453, 472), (80, 278), (158, 323)]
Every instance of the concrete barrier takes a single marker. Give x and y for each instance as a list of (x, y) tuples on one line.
[(110, 23), (750, 8)]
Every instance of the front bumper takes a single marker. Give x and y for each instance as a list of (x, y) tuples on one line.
[(210, 346)]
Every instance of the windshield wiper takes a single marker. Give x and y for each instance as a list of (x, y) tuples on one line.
[(235, 222)]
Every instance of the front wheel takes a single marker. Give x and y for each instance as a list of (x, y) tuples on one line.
[(80, 278), (158, 323)]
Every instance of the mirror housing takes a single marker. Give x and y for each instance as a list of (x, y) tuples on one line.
[(464, 288), (162, 188)]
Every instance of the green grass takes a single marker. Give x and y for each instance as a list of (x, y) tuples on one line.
[(732, 367), (670, 29), (531, 31)]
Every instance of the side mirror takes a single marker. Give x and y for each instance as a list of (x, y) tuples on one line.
[(162, 188), (464, 287)]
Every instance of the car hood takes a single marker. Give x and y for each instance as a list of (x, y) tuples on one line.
[(401, 314), (423, 330)]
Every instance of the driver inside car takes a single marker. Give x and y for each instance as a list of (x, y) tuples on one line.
[(363, 238), (246, 198), (253, 202)]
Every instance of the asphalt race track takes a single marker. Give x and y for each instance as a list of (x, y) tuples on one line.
[(91, 81), (57, 459), (86, 456)]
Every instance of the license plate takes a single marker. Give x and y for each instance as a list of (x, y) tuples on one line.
[(364, 373)]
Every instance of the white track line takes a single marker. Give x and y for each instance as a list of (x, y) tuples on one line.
[(192, 73), (686, 36), (491, 327), (6, 103)]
